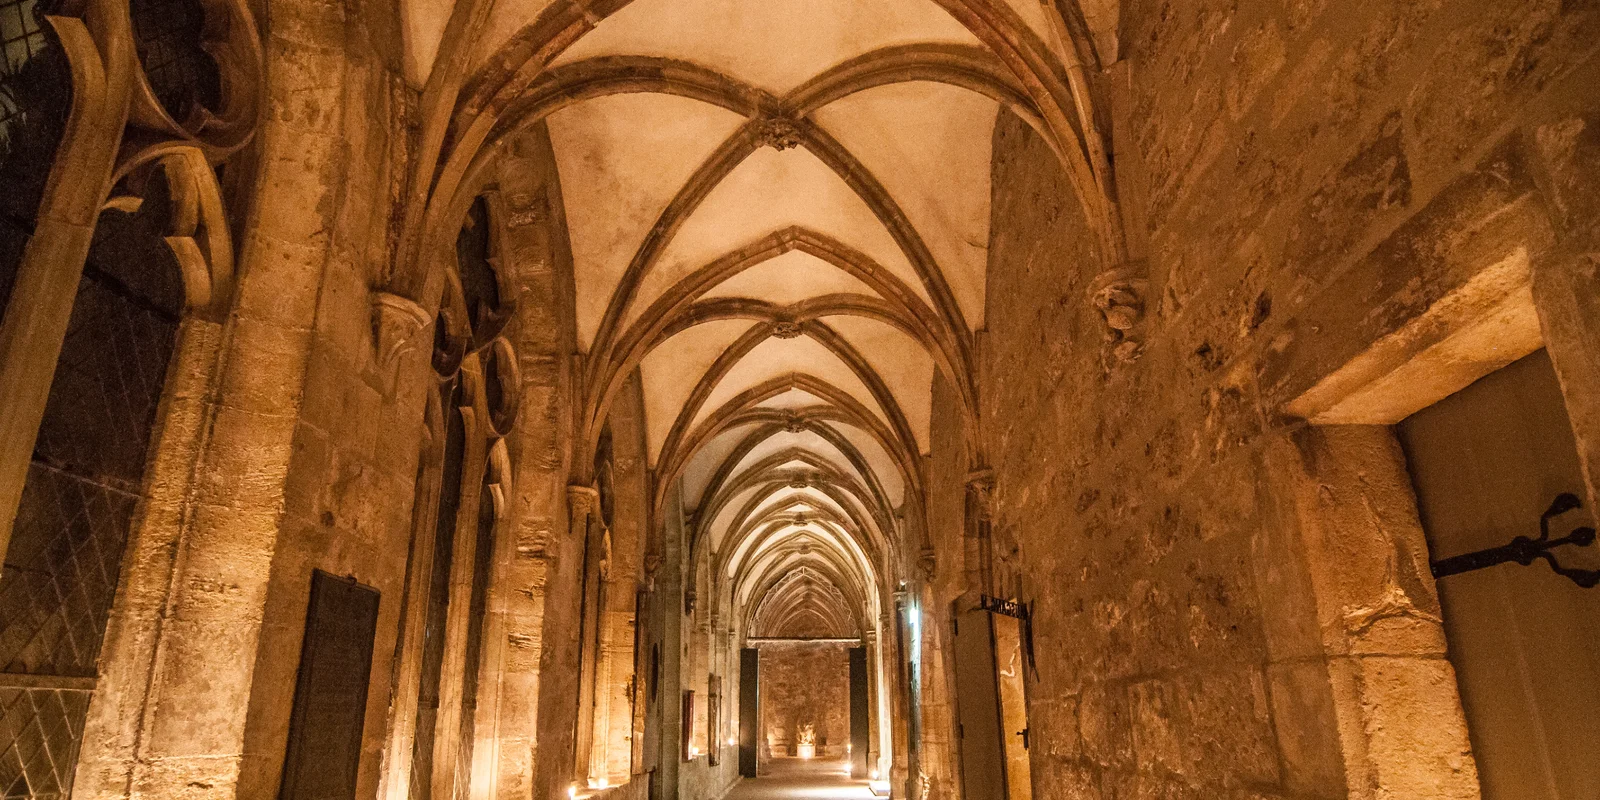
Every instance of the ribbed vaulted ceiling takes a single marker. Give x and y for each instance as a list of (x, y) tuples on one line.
[(778, 212)]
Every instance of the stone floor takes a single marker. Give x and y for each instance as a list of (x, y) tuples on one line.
[(802, 779)]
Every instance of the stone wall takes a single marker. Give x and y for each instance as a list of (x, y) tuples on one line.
[(804, 682), (699, 778), (286, 444), (348, 499), (541, 561), (1303, 182)]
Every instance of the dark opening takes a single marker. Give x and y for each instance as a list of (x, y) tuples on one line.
[(35, 97), (167, 34), (438, 595), (479, 283), (330, 693)]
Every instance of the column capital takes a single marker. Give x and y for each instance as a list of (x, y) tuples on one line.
[(396, 322), (582, 499)]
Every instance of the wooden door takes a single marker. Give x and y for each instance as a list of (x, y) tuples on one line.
[(749, 709), (983, 774), (1525, 642), (330, 694), (859, 720), (1008, 668)]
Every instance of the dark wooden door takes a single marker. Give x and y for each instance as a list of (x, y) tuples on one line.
[(749, 709), (859, 721), (330, 695)]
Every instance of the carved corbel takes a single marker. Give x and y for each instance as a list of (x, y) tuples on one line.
[(396, 323), (1119, 296), (980, 490)]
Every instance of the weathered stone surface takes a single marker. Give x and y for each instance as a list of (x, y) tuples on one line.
[(1162, 432), (804, 684)]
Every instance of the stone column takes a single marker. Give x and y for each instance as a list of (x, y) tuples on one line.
[(937, 738), (394, 782), (1358, 670), (604, 653), (979, 554), (582, 508), (714, 670), (529, 540), (458, 618), (559, 669), (630, 543), (669, 610), (869, 640), (629, 522), (906, 767)]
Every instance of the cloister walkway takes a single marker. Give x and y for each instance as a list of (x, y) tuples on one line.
[(802, 779)]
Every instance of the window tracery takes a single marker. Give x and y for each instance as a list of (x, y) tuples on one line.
[(85, 378), (479, 392)]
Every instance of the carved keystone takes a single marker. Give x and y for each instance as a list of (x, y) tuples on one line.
[(779, 133), (785, 329)]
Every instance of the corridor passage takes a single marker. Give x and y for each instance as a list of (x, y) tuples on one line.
[(802, 779), (741, 399)]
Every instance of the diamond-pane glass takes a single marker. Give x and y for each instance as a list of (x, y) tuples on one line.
[(39, 734), (65, 555)]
